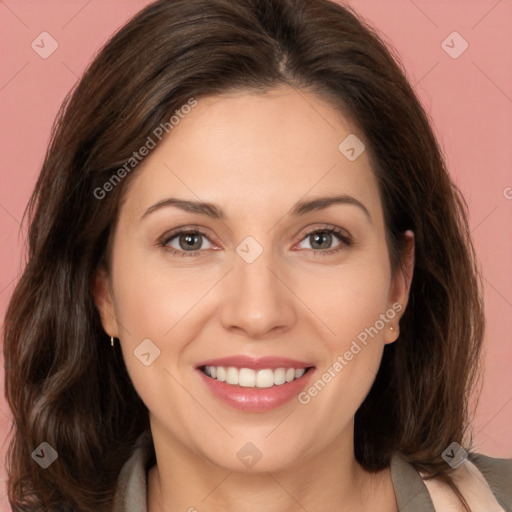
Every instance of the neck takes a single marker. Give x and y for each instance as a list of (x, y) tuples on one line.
[(325, 482)]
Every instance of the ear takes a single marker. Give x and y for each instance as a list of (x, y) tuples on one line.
[(103, 299), (400, 288)]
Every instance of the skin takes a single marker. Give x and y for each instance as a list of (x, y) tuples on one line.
[(255, 156)]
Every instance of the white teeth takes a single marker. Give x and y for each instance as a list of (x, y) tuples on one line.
[(246, 378), (221, 373), (279, 376), (249, 378), (264, 379), (232, 375)]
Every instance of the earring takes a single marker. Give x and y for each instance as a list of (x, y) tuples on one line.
[(391, 328), (111, 341)]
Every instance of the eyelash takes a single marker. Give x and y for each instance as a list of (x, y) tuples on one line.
[(342, 235)]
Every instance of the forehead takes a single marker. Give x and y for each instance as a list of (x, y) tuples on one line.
[(251, 151)]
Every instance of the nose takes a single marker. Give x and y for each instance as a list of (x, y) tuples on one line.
[(256, 298)]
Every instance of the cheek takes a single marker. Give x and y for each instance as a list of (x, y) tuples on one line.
[(353, 303), (148, 305), (158, 303), (347, 298), (152, 297)]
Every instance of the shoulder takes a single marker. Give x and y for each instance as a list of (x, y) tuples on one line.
[(497, 471), (485, 482)]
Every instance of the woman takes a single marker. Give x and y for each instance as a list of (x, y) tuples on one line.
[(179, 341)]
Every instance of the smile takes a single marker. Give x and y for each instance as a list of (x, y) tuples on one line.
[(249, 378)]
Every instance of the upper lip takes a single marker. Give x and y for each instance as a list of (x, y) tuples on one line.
[(255, 363)]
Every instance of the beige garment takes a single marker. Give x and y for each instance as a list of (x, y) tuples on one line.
[(489, 479)]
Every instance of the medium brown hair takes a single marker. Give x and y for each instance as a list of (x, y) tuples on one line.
[(66, 385)]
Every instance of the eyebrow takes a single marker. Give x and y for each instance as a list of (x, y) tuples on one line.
[(299, 209)]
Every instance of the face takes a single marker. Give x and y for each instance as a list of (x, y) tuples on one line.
[(264, 279)]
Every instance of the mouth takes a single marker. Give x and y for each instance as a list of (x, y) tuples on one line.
[(255, 385), (254, 378)]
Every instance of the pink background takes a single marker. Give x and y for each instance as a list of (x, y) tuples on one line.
[(469, 99)]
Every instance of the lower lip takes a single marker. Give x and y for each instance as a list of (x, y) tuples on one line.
[(256, 399)]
